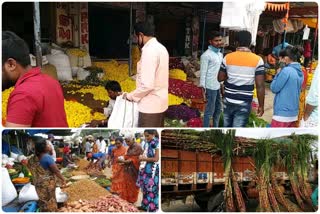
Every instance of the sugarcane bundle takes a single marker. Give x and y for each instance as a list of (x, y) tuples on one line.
[(296, 191), (263, 158), (230, 206), (279, 195), (264, 204), (294, 207), (239, 199), (304, 192), (272, 199), (225, 144), (301, 166)]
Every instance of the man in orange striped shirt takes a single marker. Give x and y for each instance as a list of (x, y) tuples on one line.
[(240, 70)]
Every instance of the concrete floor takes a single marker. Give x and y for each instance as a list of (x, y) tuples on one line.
[(268, 105), (268, 102)]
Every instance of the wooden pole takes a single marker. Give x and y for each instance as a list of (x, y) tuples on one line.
[(130, 42), (204, 31), (315, 40), (37, 32)]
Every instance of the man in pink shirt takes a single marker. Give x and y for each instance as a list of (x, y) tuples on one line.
[(152, 81), (37, 99)]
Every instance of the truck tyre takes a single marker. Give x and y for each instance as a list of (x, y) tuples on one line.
[(216, 203), (202, 203)]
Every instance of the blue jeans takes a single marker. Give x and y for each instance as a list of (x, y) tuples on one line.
[(236, 115), (213, 108)]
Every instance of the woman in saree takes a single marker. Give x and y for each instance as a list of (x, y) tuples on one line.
[(149, 172), (130, 191), (118, 152), (44, 172)]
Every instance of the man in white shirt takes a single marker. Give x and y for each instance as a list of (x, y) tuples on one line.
[(210, 63), (152, 80), (98, 143), (52, 152), (102, 145)]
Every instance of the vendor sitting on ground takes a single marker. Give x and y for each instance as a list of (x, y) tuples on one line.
[(67, 158), (114, 89), (44, 172)]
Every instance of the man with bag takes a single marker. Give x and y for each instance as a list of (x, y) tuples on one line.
[(152, 80), (114, 90)]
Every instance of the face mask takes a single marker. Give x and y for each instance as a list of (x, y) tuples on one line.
[(282, 64), (214, 49)]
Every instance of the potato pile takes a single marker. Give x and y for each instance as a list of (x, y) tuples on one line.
[(103, 204)]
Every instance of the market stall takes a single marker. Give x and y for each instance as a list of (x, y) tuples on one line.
[(87, 186), (83, 76)]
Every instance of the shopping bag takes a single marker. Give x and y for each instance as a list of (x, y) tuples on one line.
[(124, 114)]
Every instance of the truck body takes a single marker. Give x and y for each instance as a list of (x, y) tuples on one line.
[(201, 174)]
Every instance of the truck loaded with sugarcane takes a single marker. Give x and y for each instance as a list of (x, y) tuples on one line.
[(224, 172)]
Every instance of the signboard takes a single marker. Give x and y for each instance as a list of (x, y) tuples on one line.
[(64, 24), (84, 26), (187, 41)]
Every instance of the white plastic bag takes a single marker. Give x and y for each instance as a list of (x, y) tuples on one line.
[(62, 64), (124, 114), (28, 193), (9, 193), (82, 74), (61, 196)]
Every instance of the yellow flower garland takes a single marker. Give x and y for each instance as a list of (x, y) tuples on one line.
[(5, 97), (113, 70), (178, 74), (77, 52), (135, 53), (78, 114)]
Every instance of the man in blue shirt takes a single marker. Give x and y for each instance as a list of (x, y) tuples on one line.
[(210, 63), (100, 157)]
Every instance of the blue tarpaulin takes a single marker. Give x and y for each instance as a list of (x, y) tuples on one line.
[(32, 132)]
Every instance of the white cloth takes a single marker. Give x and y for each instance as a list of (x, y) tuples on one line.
[(98, 144), (54, 154), (285, 119), (306, 32), (103, 146), (234, 15), (313, 99), (254, 10), (107, 111), (242, 15)]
